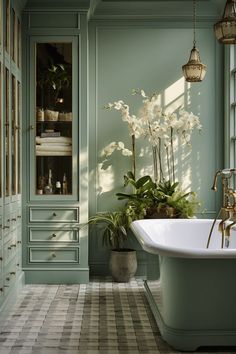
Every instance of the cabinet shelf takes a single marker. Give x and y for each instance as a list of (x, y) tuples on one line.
[(53, 121), (53, 154)]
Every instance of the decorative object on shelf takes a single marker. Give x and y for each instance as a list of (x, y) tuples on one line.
[(64, 185), (40, 114), (51, 115), (225, 29), (58, 187), (194, 70), (48, 188), (65, 117)]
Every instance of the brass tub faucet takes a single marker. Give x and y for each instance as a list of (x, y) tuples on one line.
[(227, 211)]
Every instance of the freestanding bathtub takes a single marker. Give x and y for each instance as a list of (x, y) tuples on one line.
[(194, 301)]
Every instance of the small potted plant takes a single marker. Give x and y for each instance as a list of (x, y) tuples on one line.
[(123, 261), (53, 80)]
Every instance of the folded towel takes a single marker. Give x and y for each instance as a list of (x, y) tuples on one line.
[(53, 153), (55, 144), (56, 139), (53, 148)]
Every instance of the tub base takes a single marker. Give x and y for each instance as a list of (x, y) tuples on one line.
[(185, 340)]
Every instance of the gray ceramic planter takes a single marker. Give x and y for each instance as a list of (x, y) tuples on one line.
[(123, 265)]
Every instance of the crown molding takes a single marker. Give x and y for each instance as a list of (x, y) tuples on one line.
[(56, 5), (155, 9)]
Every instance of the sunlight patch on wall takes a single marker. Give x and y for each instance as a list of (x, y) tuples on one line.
[(106, 179), (174, 95)]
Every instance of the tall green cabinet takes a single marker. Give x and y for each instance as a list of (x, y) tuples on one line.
[(55, 190), (11, 275)]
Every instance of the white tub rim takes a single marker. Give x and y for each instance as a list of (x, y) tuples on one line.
[(157, 248)]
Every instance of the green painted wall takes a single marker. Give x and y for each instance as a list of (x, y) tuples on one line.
[(149, 55), (142, 48)]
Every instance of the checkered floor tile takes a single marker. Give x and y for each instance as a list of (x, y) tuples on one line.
[(100, 317)]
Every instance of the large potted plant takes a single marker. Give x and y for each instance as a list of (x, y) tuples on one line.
[(123, 261), (151, 200)]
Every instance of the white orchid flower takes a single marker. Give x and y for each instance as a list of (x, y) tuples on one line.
[(127, 152)]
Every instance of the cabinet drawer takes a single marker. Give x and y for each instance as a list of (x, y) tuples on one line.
[(53, 255), (53, 235), (54, 214)]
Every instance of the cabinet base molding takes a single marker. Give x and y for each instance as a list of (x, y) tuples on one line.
[(57, 276), (8, 301)]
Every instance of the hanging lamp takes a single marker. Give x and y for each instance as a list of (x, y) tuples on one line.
[(225, 29), (194, 70)]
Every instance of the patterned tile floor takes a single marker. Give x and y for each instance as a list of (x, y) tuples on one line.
[(100, 317)]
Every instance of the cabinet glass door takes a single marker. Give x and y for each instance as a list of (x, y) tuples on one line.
[(13, 136), (7, 135), (53, 119), (18, 137)]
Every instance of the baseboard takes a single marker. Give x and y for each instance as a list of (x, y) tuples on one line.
[(56, 276)]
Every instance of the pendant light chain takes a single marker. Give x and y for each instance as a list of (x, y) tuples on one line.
[(194, 23), (194, 70)]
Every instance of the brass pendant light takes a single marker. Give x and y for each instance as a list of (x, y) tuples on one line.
[(225, 29), (194, 70)]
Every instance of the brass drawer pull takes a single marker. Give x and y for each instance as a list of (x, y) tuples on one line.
[(19, 242), (54, 214), (0, 258), (19, 216), (54, 235), (6, 227), (8, 279), (12, 273), (14, 245), (9, 248), (53, 255), (13, 219), (8, 220)]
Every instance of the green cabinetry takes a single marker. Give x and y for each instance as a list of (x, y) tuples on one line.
[(55, 191), (11, 275)]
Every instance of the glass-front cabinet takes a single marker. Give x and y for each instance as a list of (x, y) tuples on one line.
[(54, 121)]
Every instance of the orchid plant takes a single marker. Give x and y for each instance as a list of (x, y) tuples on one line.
[(160, 128)]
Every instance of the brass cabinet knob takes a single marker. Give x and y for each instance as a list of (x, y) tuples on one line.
[(0, 258), (53, 255), (19, 216), (54, 235), (32, 127), (19, 242), (8, 279), (54, 214)]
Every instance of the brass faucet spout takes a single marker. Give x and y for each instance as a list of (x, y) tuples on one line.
[(214, 188)]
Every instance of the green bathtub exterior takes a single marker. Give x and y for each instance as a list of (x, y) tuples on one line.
[(194, 302)]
